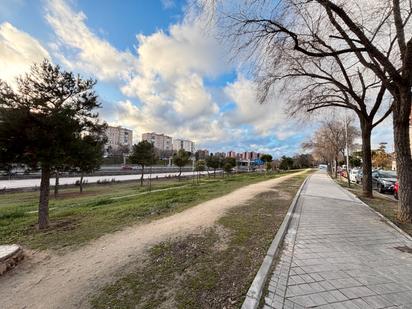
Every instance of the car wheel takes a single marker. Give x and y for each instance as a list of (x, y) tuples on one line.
[(381, 189), (395, 195)]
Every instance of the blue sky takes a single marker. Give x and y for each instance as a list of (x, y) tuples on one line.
[(158, 69)]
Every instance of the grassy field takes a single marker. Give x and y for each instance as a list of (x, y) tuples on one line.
[(213, 269), (382, 205), (78, 218)]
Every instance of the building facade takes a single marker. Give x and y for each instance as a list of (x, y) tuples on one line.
[(231, 154), (202, 154), (249, 155), (118, 137), (159, 141), (183, 144)]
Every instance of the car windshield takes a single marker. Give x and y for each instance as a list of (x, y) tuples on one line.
[(387, 174)]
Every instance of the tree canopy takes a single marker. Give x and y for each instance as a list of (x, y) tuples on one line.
[(143, 153), (43, 121)]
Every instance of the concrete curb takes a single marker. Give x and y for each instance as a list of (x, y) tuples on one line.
[(256, 288), (387, 221), (10, 256)]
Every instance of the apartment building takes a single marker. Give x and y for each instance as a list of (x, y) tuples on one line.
[(183, 144), (202, 154), (249, 155), (159, 141), (118, 136), (231, 154)]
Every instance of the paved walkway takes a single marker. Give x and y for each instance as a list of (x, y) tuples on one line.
[(339, 254)]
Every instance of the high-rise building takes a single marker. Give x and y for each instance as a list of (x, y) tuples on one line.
[(249, 155), (183, 144), (118, 136), (202, 154), (159, 141), (231, 154)]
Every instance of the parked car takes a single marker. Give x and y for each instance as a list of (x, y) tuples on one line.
[(359, 177), (353, 173), (384, 181), (127, 168), (396, 190)]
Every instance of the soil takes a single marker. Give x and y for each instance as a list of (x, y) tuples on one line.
[(47, 280)]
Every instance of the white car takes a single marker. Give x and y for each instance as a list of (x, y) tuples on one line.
[(353, 173)]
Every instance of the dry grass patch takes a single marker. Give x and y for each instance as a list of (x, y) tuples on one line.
[(213, 269)]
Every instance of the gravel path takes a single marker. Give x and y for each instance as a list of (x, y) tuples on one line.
[(50, 281)]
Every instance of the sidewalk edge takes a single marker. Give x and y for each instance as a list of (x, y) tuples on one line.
[(387, 221), (256, 288)]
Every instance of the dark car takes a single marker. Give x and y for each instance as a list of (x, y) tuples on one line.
[(396, 190), (384, 181)]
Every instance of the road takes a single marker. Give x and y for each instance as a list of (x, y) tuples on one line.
[(35, 182)]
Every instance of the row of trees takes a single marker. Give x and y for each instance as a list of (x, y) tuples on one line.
[(329, 142), (144, 154), (333, 55), (296, 162), (49, 121)]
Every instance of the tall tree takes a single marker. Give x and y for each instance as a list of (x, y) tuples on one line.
[(213, 162), (286, 163), (181, 159), (266, 158), (43, 119), (375, 36), (228, 164), (143, 154), (330, 141), (88, 155)]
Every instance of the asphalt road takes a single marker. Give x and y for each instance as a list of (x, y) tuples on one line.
[(35, 182)]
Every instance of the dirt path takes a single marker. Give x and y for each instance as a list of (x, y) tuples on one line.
[(66, 281)]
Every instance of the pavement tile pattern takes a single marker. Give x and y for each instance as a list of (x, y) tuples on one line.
[(339, 254)]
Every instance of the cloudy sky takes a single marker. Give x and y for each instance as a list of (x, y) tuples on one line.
[(158, 69)]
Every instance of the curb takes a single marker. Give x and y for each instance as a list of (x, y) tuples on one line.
[(387, 221), (256, 288)]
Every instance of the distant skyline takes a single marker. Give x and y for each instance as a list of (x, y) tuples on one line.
[(158, 69)]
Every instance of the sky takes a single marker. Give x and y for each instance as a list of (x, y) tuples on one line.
[(158, 67)]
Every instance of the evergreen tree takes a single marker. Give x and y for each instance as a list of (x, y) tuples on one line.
[(42, 121), (143, 154)]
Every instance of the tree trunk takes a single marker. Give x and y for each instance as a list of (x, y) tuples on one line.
[(366, 129), (401, 114), (347, 173), (56, 184), (141, 177), (336, 167), (44, 197), (81, 182), (180, 172)]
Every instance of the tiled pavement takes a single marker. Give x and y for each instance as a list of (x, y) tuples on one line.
[(339, 254)]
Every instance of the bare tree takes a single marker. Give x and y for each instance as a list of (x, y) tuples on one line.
[(375, 35), (329, 141)]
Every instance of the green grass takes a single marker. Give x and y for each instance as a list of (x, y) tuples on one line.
[(213, 269), (384, 206), (78, 218)]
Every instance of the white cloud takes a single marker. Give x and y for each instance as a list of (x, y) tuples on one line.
[(164, 80), (267, 118), (168, 4), (18, 51), (79, 48)]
